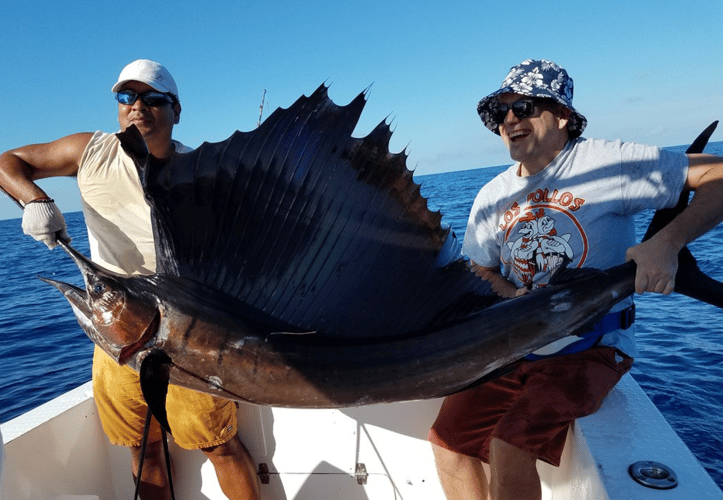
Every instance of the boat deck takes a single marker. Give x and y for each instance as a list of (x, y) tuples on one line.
[(58, 451)]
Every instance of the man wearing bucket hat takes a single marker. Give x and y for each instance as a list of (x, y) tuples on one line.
[(566, 201), (121, 239)]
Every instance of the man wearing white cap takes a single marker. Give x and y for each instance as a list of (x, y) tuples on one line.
[(121, 239), (566, 201)]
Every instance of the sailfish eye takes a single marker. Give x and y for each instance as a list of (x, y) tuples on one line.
[(99, 288)]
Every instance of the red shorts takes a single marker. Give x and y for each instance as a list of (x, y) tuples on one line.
[(531, 407)]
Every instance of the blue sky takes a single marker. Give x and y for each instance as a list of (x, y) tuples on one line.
[(645, 71)]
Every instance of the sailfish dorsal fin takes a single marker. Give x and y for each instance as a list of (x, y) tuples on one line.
[(310, 225)]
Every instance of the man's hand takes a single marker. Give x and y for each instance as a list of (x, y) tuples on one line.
[(44, 221), (656, 267), (500, 285)]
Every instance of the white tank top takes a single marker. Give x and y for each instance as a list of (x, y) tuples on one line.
[(116, 214)]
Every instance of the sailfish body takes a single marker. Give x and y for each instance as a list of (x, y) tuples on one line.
[(299, 266)]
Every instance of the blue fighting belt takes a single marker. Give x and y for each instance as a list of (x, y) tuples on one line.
[(621, 320)]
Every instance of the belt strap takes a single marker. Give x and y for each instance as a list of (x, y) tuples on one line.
[(620, 320)]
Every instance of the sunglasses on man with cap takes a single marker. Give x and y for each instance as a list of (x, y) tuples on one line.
[(150, 98)]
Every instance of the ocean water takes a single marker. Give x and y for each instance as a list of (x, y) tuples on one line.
[(44, 353)]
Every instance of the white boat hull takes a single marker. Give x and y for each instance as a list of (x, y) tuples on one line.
[(59, 451)]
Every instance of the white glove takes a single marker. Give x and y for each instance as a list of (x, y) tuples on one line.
[(44, 221)]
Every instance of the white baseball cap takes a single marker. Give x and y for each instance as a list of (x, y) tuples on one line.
[(149, 72)]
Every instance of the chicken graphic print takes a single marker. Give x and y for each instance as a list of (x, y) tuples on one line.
[(540, 241)]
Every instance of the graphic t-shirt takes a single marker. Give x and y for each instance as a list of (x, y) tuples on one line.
[(579, 210)]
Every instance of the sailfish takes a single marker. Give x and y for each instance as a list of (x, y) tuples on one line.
[(299, 266)]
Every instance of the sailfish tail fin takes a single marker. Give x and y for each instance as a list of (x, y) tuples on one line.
[(690, 280)]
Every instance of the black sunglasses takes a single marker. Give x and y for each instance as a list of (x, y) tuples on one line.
[(523, 108), (149, 98)]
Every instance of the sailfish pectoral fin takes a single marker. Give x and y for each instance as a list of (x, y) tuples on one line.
[(155, 376)]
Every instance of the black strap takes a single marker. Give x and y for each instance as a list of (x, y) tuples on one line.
[(144, 442), (168, 461), (166, 453), (627, 317)]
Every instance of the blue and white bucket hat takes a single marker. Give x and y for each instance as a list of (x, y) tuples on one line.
[(535, 78)]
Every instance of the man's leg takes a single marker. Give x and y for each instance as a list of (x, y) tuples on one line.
[(235, 470), (462, 477), (513, 473), (122, 411), (154, 480)]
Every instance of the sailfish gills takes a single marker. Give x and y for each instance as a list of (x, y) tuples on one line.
[(299, 266)]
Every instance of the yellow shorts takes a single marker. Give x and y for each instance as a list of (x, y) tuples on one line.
[(197, 420)]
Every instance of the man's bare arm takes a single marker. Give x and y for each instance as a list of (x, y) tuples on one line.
[(657, 258), (21, 167)]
